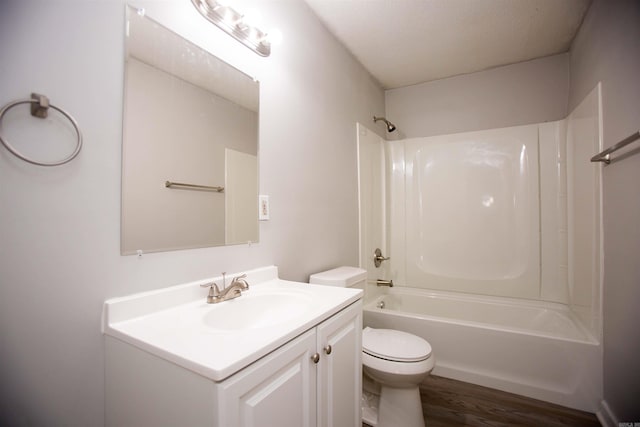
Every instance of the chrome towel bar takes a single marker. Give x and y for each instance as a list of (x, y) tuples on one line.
[(604, 156), (170, 184)]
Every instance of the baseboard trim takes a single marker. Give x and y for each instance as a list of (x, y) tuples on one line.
[(606, 416)]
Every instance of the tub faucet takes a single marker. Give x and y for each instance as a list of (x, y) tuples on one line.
[(381, 282), (378, 257), (234, 290)]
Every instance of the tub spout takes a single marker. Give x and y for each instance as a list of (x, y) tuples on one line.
[(381, 282)]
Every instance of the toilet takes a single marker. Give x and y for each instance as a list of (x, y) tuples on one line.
[(396, 360)]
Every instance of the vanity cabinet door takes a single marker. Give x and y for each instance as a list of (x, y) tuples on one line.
[(340, 368), (278, 390)]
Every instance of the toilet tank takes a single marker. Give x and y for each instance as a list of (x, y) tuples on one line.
[(345, 277)]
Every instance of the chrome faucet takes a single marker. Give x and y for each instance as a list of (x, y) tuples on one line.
[(238, 284)]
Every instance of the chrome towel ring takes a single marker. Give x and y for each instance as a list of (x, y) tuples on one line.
[(39, 108)]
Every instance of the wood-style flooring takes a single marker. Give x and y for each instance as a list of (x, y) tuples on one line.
[(447, 403)]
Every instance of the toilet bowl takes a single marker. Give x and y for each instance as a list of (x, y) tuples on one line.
[(399, 362), (396, 360)]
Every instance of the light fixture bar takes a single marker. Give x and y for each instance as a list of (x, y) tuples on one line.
[(231, 22)]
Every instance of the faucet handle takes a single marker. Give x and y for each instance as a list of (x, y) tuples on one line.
[(214, 292), (241, 279), (378, 257), (213, 288)]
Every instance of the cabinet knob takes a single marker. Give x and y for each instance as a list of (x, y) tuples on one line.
[(315, 357), (328, 349)]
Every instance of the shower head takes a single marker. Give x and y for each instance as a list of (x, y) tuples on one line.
[(390, 126)]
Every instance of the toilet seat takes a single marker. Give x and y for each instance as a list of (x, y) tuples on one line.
[(420, 368), (394, 346)]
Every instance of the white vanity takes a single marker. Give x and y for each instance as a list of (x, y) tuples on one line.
[(282, 354)]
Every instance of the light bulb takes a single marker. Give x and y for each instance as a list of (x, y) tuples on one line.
[(274, 37), (252, 18)]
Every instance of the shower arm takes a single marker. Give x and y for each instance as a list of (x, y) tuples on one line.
[(390, 126)]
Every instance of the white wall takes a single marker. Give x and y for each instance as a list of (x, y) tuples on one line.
[(60, 227), (518, 94), (607, 49)]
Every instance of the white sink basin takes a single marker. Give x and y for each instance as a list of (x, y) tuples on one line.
[(217, 340), (254, 311)]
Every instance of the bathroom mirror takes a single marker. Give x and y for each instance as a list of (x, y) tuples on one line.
[(190, 145)]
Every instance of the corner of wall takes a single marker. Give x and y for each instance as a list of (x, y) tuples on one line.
[(606, 416)]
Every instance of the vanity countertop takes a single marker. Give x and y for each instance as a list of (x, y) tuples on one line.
[(217, 340)]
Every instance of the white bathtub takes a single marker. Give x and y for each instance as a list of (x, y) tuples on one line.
[(531, 348)]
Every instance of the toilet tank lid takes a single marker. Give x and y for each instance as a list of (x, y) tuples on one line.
[(341, 276)]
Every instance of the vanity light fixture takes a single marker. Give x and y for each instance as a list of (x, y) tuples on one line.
[(235, 24)]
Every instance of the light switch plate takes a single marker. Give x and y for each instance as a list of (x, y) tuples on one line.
[(263, 208)]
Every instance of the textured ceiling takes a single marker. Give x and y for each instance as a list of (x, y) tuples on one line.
[(405, 42)]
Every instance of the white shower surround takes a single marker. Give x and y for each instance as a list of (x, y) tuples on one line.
[(501, 339), (464, 211)]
